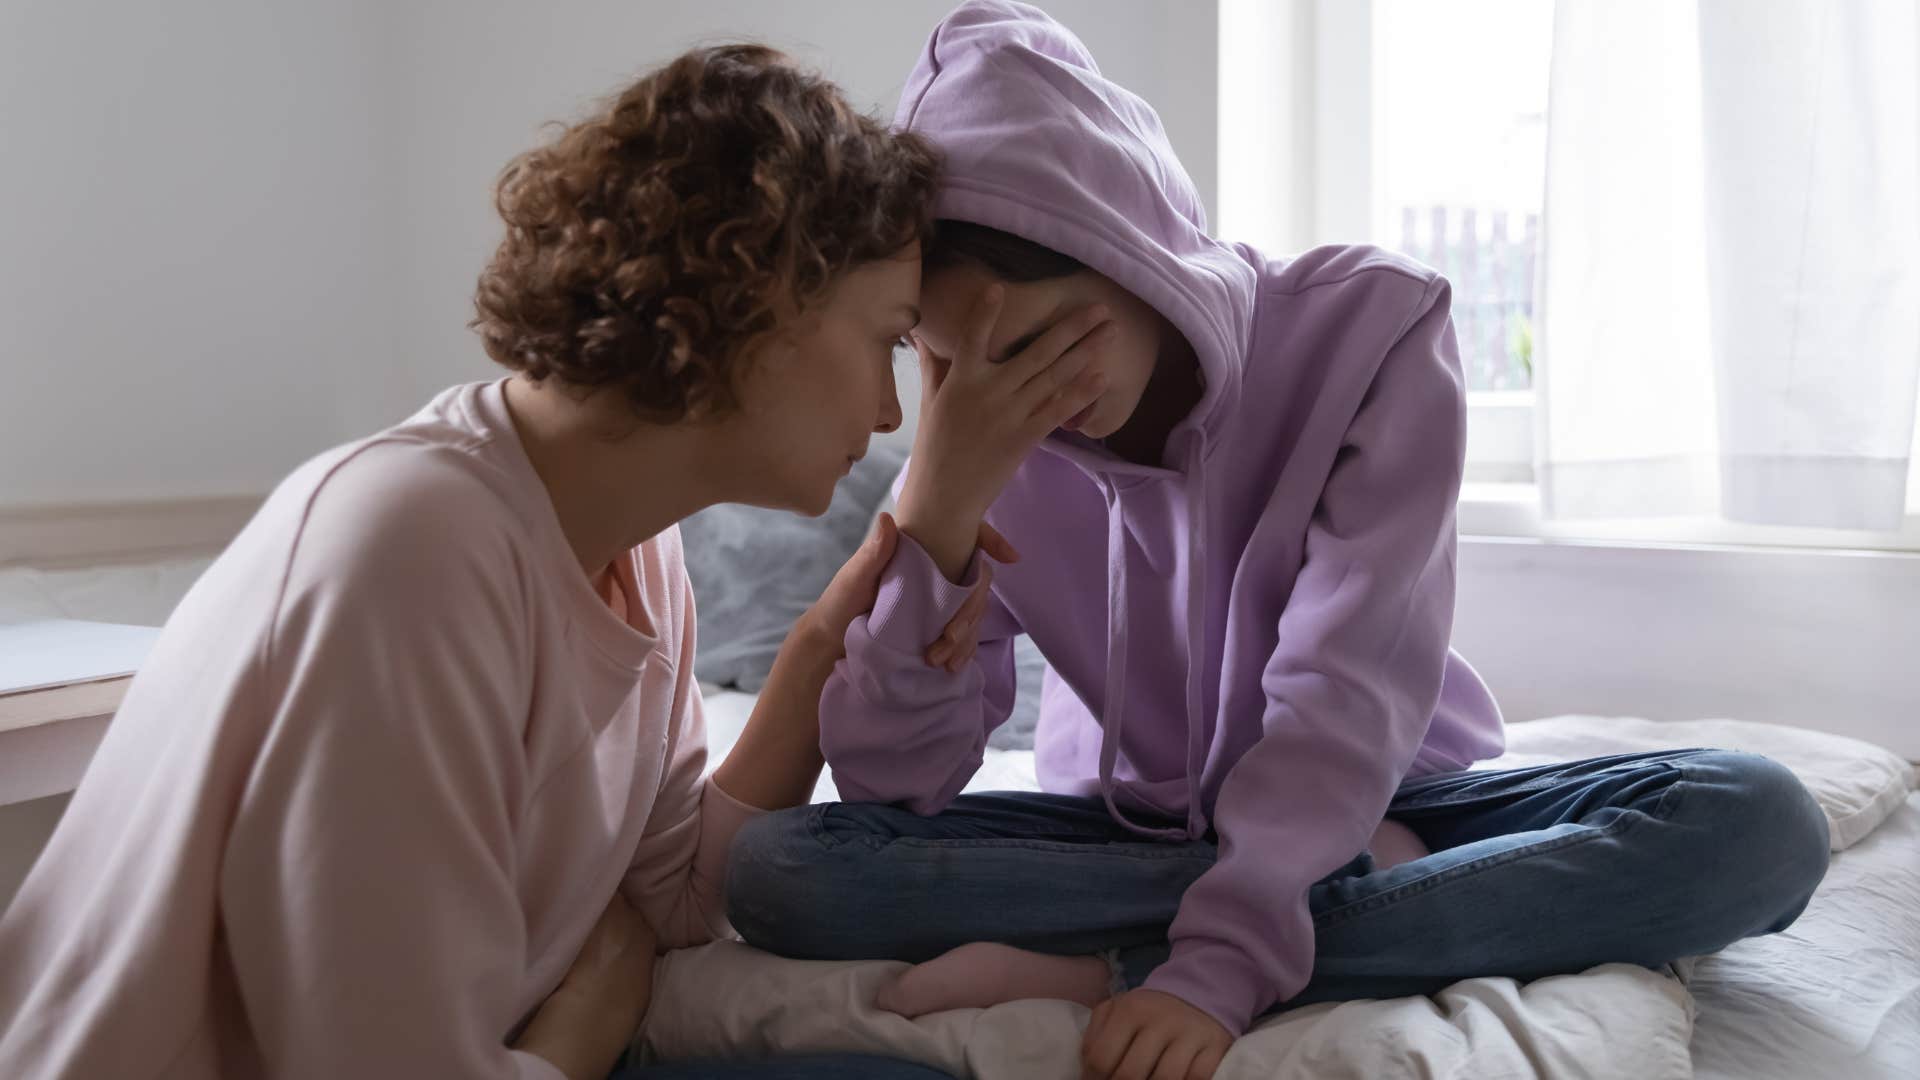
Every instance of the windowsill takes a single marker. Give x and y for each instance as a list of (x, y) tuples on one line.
[(1512, 511)]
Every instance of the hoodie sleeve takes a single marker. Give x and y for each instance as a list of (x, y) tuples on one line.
[(678, 875), (895, 730), (1350, 688)]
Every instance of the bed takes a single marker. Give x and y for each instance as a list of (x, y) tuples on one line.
[(1838, 995)]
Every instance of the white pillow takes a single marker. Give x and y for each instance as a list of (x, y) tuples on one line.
[(1857, 783)]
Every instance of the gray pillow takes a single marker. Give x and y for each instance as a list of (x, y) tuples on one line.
[(1029, 667), (755, 571)]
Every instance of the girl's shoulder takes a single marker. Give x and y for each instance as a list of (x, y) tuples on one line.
[(1359, 270)]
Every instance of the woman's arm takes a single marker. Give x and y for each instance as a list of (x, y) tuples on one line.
[(678, 873), (777, 760), (584, 1024), (367, 895)]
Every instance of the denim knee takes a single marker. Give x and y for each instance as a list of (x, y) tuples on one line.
[(1772, 834), (771, 877)]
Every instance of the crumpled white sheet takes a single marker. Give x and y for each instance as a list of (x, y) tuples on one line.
[(1838, 995), (728, 1001)]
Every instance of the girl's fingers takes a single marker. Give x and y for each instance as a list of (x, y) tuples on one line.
[(1143, 1054), (933, 372), (1057, 341), (1206, 1063), (1177, 1060), (1077, 362), (1101, 1056), (980, 323), (1091, 1035), (1066, 403)]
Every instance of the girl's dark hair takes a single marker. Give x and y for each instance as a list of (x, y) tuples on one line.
[(651, 245), (1002, 254)]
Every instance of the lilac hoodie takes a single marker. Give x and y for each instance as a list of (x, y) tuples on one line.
[(1251, 637)]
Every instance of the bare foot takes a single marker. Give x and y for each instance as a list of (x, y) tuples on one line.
[(985, 973)]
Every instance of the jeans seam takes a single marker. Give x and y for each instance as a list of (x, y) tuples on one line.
[(1443, 799), (1038, 828), (816, 823), (1137, 851), (817, 828), (1662, 810)]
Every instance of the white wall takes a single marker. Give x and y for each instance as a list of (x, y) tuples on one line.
[(233, 234), (1819, 639), (197, 287), (480, 87)]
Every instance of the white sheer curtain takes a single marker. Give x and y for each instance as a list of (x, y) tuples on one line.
[(1730, 275)]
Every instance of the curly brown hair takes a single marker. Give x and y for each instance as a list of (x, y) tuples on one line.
[(650, 246)]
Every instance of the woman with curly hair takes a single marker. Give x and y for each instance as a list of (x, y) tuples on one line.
[(412, 783)]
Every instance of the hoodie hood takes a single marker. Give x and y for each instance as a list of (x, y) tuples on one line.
[(1041, 145)]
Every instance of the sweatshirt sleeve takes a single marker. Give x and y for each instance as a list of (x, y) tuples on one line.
[(895, 730), (366, 893), (678, 875), (1350, 689)]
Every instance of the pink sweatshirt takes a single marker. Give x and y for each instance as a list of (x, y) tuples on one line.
[(387, 764)]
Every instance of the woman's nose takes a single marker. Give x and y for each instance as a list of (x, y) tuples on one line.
[(889, 407)]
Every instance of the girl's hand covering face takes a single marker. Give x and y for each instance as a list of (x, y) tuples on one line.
[(979, 417)]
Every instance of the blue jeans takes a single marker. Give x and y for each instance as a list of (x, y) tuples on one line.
[(1639, 858)]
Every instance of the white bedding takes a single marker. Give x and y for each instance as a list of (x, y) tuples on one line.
[(1838, 995)]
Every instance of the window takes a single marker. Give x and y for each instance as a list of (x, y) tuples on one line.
[(1460, 119), (1420, 125), (1459, 104)]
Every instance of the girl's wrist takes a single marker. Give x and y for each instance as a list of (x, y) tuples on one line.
[(945, 529)]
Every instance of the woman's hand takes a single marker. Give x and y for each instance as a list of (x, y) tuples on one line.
[(852, 592), (584, 1025), (980, 419), (777, 760), (1148, 1035)]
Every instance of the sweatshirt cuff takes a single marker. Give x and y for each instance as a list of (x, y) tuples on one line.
[(721, 816), (1215, 978), (916, 601)]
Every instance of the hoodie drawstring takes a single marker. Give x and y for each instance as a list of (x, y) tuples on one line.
[(1196, 639), (1114, 703)]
